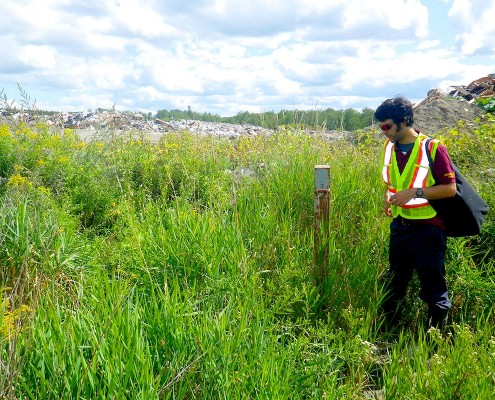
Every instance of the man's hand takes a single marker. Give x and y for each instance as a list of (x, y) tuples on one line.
[(431, 193), (386, 206), (400, 198)]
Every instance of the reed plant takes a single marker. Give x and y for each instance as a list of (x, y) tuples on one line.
[(185, 269)]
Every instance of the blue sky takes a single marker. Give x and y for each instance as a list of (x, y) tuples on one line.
[(229, 56)]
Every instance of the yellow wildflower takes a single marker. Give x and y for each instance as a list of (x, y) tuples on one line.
[(44, 190), (32, 135), (18, 180), (4, 131), (9, 320)]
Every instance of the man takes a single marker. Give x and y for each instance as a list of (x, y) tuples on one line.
[(417, 236)]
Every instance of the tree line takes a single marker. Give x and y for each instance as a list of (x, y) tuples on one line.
[(330, 119)]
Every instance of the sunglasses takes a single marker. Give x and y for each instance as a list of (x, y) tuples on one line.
[(386, 127)]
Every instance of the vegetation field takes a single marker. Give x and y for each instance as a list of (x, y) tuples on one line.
[(185, 270)]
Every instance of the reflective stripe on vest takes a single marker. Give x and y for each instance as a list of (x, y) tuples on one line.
[(416, 174)]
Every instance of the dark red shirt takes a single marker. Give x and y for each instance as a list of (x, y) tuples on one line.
[(442, 171)]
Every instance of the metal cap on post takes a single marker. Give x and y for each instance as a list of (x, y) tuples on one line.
[(321, 218)]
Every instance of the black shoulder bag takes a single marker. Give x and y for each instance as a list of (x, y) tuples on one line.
[(464, 213)]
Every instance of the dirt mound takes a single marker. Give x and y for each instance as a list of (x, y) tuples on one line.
[(441, 113)]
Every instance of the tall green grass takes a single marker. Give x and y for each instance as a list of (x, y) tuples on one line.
[(184, 269)]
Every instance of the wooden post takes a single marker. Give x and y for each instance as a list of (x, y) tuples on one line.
[(321, 219)]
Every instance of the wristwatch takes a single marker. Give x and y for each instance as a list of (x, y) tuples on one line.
[(419, 192)]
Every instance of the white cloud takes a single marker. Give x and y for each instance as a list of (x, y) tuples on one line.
[(225, 56), (41, 57), (142, 20), (386, 15), (388, 70), (478, 29), (429, 44)]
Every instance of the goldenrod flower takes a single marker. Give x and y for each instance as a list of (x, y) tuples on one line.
[(18, 180), (44, 190), (4, 131), (8, 324)]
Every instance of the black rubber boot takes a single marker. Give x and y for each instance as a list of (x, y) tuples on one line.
[(437, 318), (392, 316)]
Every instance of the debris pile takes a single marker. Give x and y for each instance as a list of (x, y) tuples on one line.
[(480, 88), (88, 123), (441, 110), (108, 120), (216, 128)]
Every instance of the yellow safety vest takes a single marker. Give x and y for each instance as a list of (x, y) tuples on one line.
[(416, 174)]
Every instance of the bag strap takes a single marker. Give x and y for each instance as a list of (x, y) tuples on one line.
[(428, 151)]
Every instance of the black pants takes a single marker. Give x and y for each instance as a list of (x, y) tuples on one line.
[(421, 248)]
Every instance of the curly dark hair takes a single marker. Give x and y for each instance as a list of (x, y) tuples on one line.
[(399, 109)]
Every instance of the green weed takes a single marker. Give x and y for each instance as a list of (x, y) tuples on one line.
[(185, 269)]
